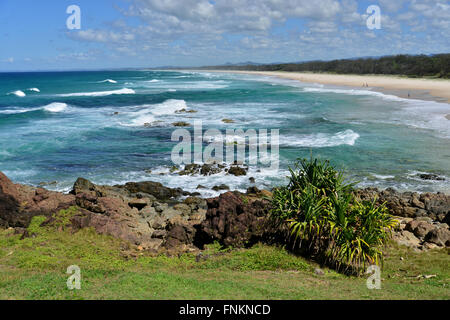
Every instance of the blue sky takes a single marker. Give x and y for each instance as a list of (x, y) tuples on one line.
[(148, 33)]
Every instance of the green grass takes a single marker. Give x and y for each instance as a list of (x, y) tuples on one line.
[(35, 268)]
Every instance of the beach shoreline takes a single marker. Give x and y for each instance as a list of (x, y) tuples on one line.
[(409, 88)]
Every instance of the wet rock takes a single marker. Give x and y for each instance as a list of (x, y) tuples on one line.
[(252, 180), (237, 171), (186, 111), (253, 191), (190, 169), (83, 185), (181, 124), (221, 187), (431, 176), (209, 169), (50, 183), (206, 169), (227, 121)]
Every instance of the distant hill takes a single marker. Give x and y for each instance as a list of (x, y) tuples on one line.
[(437, 65)]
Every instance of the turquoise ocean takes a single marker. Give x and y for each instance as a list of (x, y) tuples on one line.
[(114, 127)]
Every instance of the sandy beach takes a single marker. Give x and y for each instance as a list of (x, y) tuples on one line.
[(423, 89)]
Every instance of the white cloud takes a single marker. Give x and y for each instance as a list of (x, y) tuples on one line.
[(101, 36), (204, 32)]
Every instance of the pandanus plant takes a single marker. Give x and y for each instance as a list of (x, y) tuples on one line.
[(324, 218)]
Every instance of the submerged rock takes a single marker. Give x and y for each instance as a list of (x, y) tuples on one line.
[(227, 121), (237, 171), (221, 187), (181, 124), (431, 176)]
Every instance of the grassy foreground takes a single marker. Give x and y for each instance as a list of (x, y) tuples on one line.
[(35, 268)]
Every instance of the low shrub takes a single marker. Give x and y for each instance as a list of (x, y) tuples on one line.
[(326, 221)]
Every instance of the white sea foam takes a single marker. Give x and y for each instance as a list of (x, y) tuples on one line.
[(382, 177), (356, 92), (148, 114), (98, 93), (168, 107), (34, 89), (320, 140), (108, 80), (52, 107), (18, 93), (17, 110), (55, 107), (188, 85)]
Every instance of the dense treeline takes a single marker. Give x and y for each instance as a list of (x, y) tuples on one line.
[(413, 66)]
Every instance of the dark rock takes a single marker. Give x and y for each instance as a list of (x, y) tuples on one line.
[(431, 176), (190, 169), (138, 203), (181, 124), (237, 171), (252, 180), (253, 190), (179, 233), (439, 236), (84, 185), (233, 222), (205, 169), (209, 169), (221, 187), (155, 189), (422, 229)]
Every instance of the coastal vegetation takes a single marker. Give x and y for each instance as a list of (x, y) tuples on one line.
[(35, 268), (222, 248), (325, 220), (437, 66)]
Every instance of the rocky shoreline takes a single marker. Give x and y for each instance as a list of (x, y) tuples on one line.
[(157, 219)]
